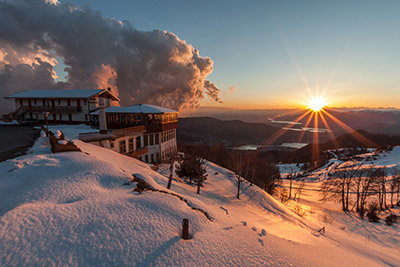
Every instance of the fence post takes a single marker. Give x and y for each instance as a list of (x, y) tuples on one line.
[(185, 229)]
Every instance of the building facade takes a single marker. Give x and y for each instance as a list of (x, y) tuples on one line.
[(158, 139), (60, 106), (146, 132)]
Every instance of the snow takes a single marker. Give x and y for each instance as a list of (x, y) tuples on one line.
[(76, 208), (70, 131), (290, 168), (138, 109), (14, 122), (67, 93)]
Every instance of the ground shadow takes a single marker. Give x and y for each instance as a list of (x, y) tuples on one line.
[(150, 258)]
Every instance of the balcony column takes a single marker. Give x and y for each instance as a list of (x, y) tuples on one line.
[(102, 116)]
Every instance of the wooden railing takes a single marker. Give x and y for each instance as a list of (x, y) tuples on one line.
[(52, 109), (95, 136)]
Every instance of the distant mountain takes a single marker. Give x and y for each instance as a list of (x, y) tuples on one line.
[(383, 121), (359, 138), (206, 130)]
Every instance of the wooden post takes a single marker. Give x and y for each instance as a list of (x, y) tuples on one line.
[(171, 169), (185, 229)]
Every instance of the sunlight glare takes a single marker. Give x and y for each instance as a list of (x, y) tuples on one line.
[(316, 104)]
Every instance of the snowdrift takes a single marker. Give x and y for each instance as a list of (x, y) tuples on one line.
[(79, 208)]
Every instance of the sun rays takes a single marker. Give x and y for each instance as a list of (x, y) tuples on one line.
[(317, 115)]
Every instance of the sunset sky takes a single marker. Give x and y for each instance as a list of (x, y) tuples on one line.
[(268, 54)]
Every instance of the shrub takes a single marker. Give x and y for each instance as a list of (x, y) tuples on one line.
[(372, 212), (194, 169), (299, 210), (391, 219)]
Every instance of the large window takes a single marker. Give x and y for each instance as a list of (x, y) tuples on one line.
[(151, 139), (157, 138), (146, 140), (130, 144), (138, 143)]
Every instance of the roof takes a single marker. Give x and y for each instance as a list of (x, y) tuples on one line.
[(62, 93), (138, 109)]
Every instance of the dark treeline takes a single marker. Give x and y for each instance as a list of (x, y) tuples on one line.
[(245, 164)]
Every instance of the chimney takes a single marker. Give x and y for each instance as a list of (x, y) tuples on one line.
[(102, 116)]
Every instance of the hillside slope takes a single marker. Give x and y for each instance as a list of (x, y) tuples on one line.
[(78, 209)]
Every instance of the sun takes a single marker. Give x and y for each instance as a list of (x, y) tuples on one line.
[(316, 104)]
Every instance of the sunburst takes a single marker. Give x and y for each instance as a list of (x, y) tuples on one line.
[(316, 103)]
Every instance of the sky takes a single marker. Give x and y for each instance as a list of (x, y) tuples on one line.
[(276, 54)]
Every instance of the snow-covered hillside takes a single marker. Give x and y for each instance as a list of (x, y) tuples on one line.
[(77, 208)]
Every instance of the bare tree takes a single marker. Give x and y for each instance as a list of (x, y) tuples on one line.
[(299, 190), (365, 188), (379, 186), (338, 187), (240, 167), (395, 185), (290, 177), (358, 185), (171, 172)]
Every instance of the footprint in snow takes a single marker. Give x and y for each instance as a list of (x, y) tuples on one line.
[(263, 232), (244, 223), (227, 228), (254, 229), (261, 241)]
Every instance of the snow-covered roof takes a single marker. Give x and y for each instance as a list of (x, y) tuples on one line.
[(138, 109), (62, 93)]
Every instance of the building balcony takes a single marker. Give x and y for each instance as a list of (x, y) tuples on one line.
[(139, 152), (52, 109), (160, 127)]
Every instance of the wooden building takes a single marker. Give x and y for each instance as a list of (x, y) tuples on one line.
[(61, 106), (159, 132)]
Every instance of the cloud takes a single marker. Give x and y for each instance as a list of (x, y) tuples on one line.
[(153, 67)]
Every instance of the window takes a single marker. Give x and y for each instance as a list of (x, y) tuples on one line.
[(157, 137), (59, 101), (151, 139), (130, 144), (158, 157), (37, 116), (69, 102), (112, 144), (34, 101), (146, 141), (146, 158), (60, 116), (122, 146), (152, 158), (69, 117), (138, 143)]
